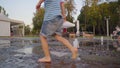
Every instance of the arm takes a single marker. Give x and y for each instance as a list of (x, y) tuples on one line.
[(63, 10), (39, 4)]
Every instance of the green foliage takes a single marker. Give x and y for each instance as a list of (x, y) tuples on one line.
[(38, 20), (69, 6), (27, 30), (4, 11), (93, 16), (0, 9)]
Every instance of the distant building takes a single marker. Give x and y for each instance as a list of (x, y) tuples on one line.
[(10, 27)]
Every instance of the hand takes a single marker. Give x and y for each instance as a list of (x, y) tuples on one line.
[(37, 6)]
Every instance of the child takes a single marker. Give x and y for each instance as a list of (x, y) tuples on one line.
[(53, 20), (116, 44)]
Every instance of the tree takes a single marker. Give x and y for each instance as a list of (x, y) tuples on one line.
[(0, 9), (69, 6), (37, 20), (89, 15), (27, 30), (114, 15), (4, 11), (94, 15), (86, 11)]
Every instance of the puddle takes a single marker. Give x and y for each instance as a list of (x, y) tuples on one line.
[(4, 43), (24, 53)]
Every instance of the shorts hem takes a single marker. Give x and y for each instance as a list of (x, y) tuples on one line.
[(58, 33), (43, 35)]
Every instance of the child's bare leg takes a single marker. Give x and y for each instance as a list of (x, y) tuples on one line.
[(45, 48), (66, 43)]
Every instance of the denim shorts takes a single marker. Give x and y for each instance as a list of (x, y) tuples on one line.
[(52, 27)]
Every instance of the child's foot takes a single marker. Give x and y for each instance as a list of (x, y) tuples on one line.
[(44, 59), (74, 53)]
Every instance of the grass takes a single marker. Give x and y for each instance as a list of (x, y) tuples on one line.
[(5, 36)]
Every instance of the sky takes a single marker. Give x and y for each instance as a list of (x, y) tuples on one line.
[(23, 9)]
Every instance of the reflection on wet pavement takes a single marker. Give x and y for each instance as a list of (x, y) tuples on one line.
[(24, 53), (27, 50), (4, 43)]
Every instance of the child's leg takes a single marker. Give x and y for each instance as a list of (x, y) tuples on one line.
[(45, 48), (66, 43)]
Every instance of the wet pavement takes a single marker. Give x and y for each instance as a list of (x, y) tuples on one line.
[(24, 53)]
